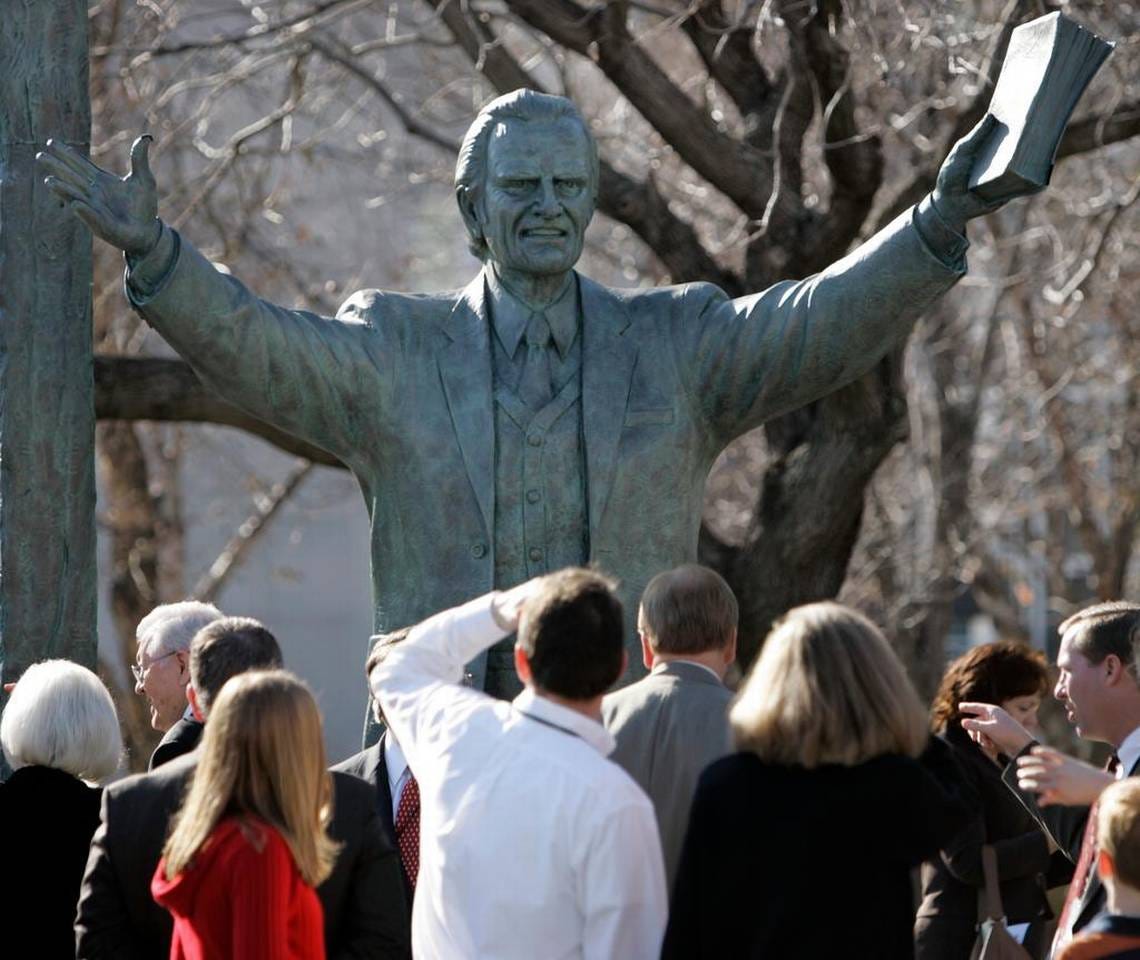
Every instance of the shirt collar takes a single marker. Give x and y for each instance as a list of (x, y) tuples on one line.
[(571, 721), (510, 315), (1129, 753), (664, 665), (394, 759)]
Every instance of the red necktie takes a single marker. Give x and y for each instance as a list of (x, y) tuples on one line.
[(1081, 875), (408, 829)]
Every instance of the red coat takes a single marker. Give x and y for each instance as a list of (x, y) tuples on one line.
[(242, 898)]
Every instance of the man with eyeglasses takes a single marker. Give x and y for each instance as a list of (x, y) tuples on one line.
[(162, 670)]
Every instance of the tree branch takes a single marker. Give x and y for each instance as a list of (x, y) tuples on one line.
[(265, 508), (726, 51), (333, 50)]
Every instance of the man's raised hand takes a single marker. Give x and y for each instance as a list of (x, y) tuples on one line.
[(123, 211), (1056, 778), (988, 724)]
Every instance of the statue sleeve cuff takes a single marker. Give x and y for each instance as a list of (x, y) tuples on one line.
[(147, 275), (941, 239)]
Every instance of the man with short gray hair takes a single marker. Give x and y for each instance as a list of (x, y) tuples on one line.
[(673, 723), (362, 900), (162, 671)]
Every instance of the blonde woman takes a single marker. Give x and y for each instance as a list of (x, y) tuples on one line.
[(60, 735), (801, 843), (250, 842)]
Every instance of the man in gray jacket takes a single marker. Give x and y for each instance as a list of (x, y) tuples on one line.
[(673, 723)]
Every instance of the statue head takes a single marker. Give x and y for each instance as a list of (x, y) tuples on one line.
[(526, 182)]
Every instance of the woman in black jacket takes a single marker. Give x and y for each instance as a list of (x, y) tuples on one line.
[(801, 845), (1015, 677), (60, 733)]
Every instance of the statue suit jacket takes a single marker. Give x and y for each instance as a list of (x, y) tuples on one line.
[(399, 387), (669, 726), (1066, 825), (362, 899), (370, 765)]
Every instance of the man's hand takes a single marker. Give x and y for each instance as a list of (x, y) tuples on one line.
[(988, 724), (507, 606), (123, 211), (952, 197), (1056, 778)]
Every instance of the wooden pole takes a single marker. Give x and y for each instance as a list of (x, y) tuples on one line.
[(47, 436)]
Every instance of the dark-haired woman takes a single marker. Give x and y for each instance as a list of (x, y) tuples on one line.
[(1014, 676)]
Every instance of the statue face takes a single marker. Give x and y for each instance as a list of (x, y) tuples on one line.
[(537, 199)]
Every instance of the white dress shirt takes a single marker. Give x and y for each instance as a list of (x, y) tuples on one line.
[(399, 773), (1128, 753), (532, 844)]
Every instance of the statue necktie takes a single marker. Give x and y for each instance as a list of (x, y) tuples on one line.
[(535, 388), (408, 829)]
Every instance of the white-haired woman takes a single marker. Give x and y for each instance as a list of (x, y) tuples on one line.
[(250, 843), (802, 843), (60, 736)]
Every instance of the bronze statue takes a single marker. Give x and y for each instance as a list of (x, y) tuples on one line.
[(534, 420)]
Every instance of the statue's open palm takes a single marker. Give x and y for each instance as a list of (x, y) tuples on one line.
[(121, 210)]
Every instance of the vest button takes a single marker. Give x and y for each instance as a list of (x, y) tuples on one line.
[(534, 440), (533, 496), (535, 554), (478, 550)]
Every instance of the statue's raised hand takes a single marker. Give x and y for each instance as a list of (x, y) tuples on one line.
[(121, 210), (952, 196)]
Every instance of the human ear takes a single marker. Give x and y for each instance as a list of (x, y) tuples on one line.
[(1105, 868), (522, 667), (192, 696)]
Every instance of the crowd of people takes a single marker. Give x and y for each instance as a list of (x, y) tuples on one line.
[(671, 818)]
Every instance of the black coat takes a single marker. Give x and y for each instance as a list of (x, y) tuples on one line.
[(46, 821), (370, 765), (785, 862), (179, 740), (945, 928), (363, 899)]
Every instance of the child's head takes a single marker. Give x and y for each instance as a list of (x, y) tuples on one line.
[(1118, 835)]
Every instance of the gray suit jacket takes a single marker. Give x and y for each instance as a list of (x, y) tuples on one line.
[(669, 726), (399, 387)]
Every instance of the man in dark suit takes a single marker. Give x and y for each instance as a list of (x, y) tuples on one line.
[(162, 671), (383, 765), (673, 723), (1097, 683), (362, 899)]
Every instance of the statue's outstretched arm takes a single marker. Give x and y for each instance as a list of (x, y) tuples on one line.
[(123, 211), (752, 358)]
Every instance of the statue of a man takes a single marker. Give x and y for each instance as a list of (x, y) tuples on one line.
[(535, 419)]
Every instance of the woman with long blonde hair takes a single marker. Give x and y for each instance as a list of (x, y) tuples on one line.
[(250, 843), (801, 843)]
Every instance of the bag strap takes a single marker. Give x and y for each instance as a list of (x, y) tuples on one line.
[(991, 893)]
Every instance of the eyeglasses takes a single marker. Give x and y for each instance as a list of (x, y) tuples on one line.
[(141, 672)]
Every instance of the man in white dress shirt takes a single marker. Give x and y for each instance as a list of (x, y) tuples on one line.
[(532, 843)]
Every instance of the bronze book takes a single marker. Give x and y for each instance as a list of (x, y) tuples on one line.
[(1049, 63)]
